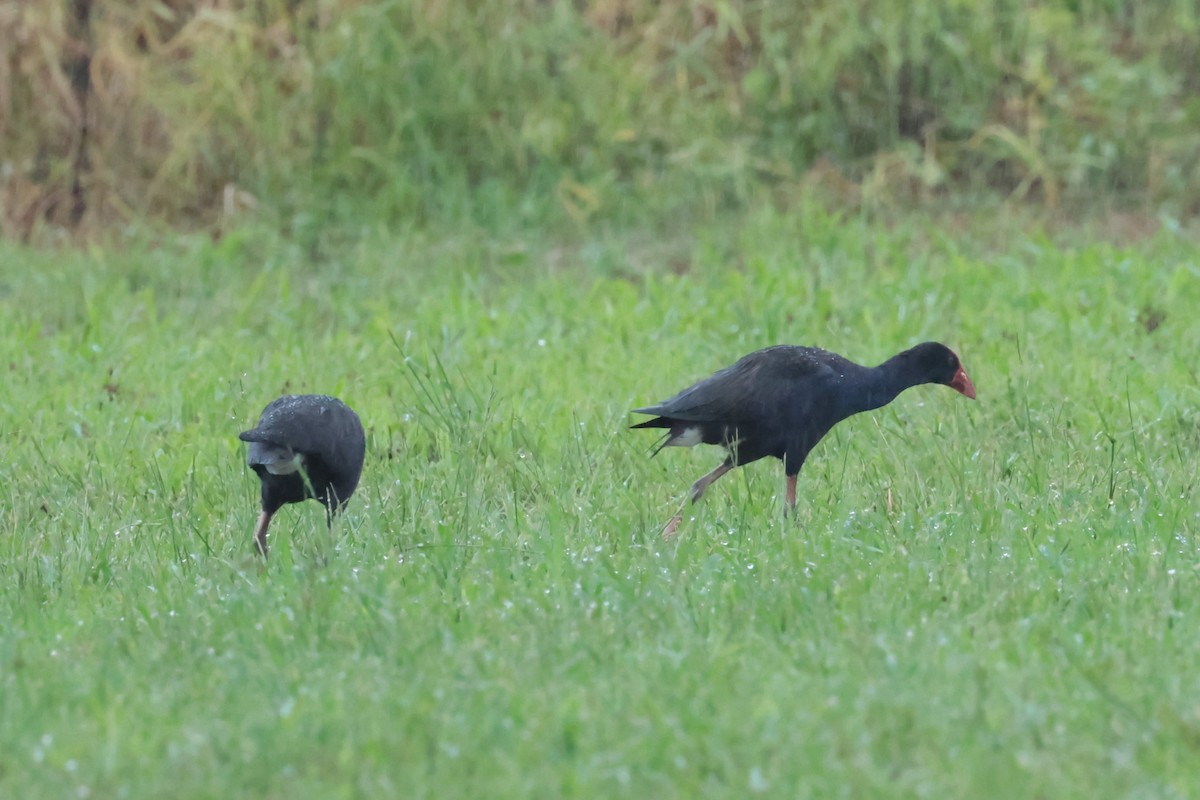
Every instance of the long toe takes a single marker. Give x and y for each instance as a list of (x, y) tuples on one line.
[(672, 526)]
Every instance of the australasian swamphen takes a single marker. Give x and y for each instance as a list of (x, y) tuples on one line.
[(304, 446), (780, 401)]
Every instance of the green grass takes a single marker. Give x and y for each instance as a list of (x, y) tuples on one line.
[(980, 599)]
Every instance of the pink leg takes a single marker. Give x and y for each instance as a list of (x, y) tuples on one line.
[(791, 492), (260, 533), (698, 490), (701, 486)]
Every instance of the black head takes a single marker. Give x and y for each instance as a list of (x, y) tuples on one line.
[(933, 362)]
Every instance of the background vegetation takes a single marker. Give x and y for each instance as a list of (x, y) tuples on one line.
[(198, 113)]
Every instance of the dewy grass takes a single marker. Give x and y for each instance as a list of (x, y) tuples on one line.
[(972, 600)]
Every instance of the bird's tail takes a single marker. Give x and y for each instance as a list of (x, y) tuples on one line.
[(657, 422)]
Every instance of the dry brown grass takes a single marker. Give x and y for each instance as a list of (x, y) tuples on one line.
[(196, 113), (113, 110)]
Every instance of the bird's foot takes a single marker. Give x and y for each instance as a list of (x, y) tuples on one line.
[(672, 527)]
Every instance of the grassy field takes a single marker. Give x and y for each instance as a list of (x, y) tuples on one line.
[(980, 599)]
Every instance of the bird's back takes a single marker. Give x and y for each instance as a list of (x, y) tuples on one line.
[(757, 385)]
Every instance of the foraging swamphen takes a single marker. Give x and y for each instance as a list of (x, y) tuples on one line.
[(305, 446), (782, 400)]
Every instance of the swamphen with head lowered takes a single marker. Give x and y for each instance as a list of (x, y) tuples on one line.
[(305, 446), (782, 400)]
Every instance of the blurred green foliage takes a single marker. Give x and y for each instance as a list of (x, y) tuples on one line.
[(399, 112)]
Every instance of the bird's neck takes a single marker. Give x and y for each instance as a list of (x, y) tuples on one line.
[(880, 385)]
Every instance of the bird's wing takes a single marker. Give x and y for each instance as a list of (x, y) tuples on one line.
[(750, 389)]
